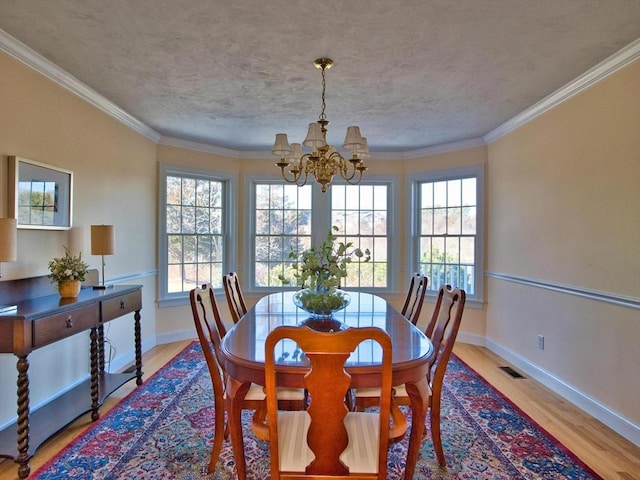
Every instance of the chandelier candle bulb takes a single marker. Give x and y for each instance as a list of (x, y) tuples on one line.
[(324, 162)]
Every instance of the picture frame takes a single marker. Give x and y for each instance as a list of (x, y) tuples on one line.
[(40, 195)]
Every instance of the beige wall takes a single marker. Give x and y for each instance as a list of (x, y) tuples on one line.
[(114, 183), (564, 208)]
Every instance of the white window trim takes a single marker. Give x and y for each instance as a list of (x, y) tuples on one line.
[(320, 211), (166, 299), (476, 301)]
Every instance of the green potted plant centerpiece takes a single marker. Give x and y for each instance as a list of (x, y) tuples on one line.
[(67, 273), (319, 272)]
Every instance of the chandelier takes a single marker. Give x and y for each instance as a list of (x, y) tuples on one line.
[(324, 161)]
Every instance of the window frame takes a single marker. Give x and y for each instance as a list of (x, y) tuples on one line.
[(321, 215), (413, 242), (165, 298)]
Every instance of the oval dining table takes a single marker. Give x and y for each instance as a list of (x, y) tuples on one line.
[(243, 354)]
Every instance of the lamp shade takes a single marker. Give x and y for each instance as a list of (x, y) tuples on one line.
[(8, 240), (296, 152), (315, 137), (353, 141), (363, 152), (281, 147), (103, 240)]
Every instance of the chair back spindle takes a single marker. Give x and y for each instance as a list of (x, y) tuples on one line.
[(415, 297), (235, 298)]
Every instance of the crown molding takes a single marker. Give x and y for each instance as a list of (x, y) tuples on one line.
[(615, 62), (207, 148), (435, 149), (21, 52), (262, 154)]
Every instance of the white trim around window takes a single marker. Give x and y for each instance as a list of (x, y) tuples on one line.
[(321, 214), (412, 196), (166, 299)]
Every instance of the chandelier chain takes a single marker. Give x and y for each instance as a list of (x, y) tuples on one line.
[(323, 116)]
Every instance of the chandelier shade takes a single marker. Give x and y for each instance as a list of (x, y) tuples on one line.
[(315, 137), (324, 162)]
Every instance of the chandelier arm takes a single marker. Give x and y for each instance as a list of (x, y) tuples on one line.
[(343, 166), (295, 170), (295, 179), (350, 182), (304, 165)]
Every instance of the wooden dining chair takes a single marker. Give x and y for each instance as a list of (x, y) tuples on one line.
[(208, 325), (235, 298), (415, 297), (327, 440), (442, 330)]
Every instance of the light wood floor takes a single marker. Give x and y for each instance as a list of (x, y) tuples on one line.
[(606, 452)]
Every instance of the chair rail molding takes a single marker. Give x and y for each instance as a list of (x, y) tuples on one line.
[(607, 297)]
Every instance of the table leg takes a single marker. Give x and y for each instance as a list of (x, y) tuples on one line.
[(235, 393), (419, 395), (138, 340), (101, 361), (95, 355), (23, 418)]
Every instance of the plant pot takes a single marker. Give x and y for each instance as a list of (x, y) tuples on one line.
[(69, 288)]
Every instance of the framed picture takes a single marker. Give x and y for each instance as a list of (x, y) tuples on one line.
[(40, 195)]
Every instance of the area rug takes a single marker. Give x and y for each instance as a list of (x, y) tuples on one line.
[(163, 430)]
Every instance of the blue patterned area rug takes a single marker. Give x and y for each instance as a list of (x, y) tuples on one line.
[(163, 430)]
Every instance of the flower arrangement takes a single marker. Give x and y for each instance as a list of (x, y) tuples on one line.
[(69, 267), (319, 272)]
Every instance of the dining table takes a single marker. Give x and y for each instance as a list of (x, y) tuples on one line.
[(243, 354)]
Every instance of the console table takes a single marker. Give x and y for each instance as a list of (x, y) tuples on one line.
[(42, 318)]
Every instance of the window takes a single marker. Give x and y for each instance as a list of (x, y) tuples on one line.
[(194, 229), (360, 213), (288, 217), (449, 226), (282, 223)]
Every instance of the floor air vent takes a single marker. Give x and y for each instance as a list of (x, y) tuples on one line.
[(511, 372)]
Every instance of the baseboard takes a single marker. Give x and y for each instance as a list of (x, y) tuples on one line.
[(611, 419), (471, 338), (176, 336)]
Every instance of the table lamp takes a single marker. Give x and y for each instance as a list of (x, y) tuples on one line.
[(103, 242), (8, 249)]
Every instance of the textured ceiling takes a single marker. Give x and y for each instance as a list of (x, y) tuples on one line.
[(412, 74)]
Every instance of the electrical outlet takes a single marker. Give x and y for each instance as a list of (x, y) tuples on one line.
[(540, 342)]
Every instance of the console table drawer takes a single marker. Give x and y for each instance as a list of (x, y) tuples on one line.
[(118, 306), (56, 327)]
